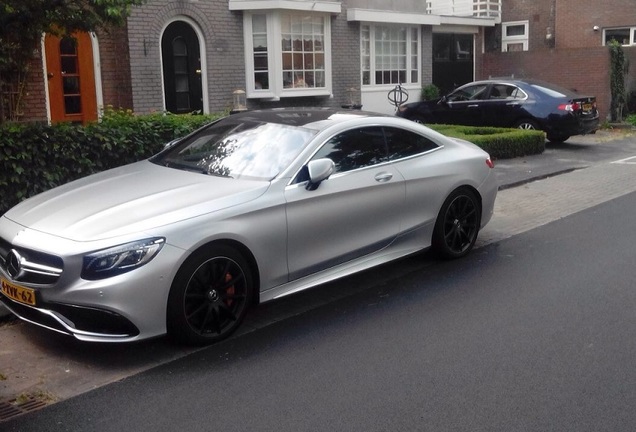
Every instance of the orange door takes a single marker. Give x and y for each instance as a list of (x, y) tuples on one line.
[(69, 68)]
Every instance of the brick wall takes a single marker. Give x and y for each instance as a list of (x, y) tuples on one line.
[(576, 20), (34, 106), (222, 47), (115, 68), (540, 16)]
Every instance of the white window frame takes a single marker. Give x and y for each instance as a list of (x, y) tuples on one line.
[(413, 49), (514, 40), (275, 58), (632, 35)]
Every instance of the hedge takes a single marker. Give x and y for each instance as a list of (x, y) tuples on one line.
[(500, 143), (37, 157)]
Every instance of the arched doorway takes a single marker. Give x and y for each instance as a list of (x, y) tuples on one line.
[(71, 78), (181, 55)]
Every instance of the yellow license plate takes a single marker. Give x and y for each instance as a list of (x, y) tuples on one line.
[(18, 293)]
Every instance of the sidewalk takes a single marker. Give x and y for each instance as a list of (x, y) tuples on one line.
[(40, 367)]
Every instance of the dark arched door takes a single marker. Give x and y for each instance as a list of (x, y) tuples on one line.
[(181, 68)]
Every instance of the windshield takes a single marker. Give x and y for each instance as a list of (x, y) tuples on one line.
[(238, 149)]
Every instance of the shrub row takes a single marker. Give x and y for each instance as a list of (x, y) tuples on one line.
[(37, 157), (500, 143)]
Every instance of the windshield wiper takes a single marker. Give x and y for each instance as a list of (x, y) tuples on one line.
[(185, 167)]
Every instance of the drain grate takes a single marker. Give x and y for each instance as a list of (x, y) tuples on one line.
[(13, 408)]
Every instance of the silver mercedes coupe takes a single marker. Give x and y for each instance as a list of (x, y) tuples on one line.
[(250, 208)]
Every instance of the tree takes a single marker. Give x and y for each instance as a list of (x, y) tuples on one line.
[(619, 67), (22, 24)]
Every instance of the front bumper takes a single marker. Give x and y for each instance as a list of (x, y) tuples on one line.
[(84, 323), (126, 307)]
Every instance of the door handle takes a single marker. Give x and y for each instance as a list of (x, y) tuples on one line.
[(473, 106), (383, 177)]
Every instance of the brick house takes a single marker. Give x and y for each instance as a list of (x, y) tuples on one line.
[(191, 55), (560, 41)]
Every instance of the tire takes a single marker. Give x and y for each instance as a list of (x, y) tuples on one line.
[(457, 224), (209, 296), (557, 138), (527, 124)]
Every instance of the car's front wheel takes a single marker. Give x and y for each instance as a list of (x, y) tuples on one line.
[(209, 296), (457, 224)]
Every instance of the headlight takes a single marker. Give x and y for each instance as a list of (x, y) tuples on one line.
[(120, 259)]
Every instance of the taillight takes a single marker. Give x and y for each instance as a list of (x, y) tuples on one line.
[(490, 163), (570, 107)]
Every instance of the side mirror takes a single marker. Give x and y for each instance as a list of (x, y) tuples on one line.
[(319, 170), (442, 100)]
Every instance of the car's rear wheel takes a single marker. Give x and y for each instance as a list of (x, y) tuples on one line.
[(457, 224), (556, 138), (209, 296), (527, 124)]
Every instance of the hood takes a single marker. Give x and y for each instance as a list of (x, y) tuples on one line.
[(129, 199)]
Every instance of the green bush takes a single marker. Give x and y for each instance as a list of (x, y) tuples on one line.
[(37, 157), (500, 143), (631, 119), (430, 92)]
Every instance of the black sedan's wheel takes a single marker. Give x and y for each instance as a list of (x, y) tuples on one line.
[(556, 138), (457, 224), (527, 124), (209, 296)]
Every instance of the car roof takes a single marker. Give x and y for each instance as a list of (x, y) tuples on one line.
[(311, 117), (530, 82)]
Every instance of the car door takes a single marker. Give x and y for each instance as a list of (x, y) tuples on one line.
[(418, 160), (503, 106), (353, 213), (463, 106)]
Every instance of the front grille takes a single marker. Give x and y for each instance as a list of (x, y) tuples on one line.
[(36, 267), (77, 318)]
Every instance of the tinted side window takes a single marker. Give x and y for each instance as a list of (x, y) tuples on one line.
[(474, 92), (505, 91), (404, 143), (355, 149)]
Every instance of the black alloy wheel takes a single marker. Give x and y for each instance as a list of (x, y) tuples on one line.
[(457, 224), (209, 296)]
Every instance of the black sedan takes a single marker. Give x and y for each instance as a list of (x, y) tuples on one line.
[(524, 104)]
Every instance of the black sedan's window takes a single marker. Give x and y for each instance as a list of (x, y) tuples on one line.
[(473, 92), (403, 143), (355, 149), (506, 91)]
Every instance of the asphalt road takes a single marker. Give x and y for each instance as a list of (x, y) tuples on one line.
[(533, 333)]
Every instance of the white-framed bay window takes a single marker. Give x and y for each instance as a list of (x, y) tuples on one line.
[(514, 36), (287, 53), (390, 54)]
